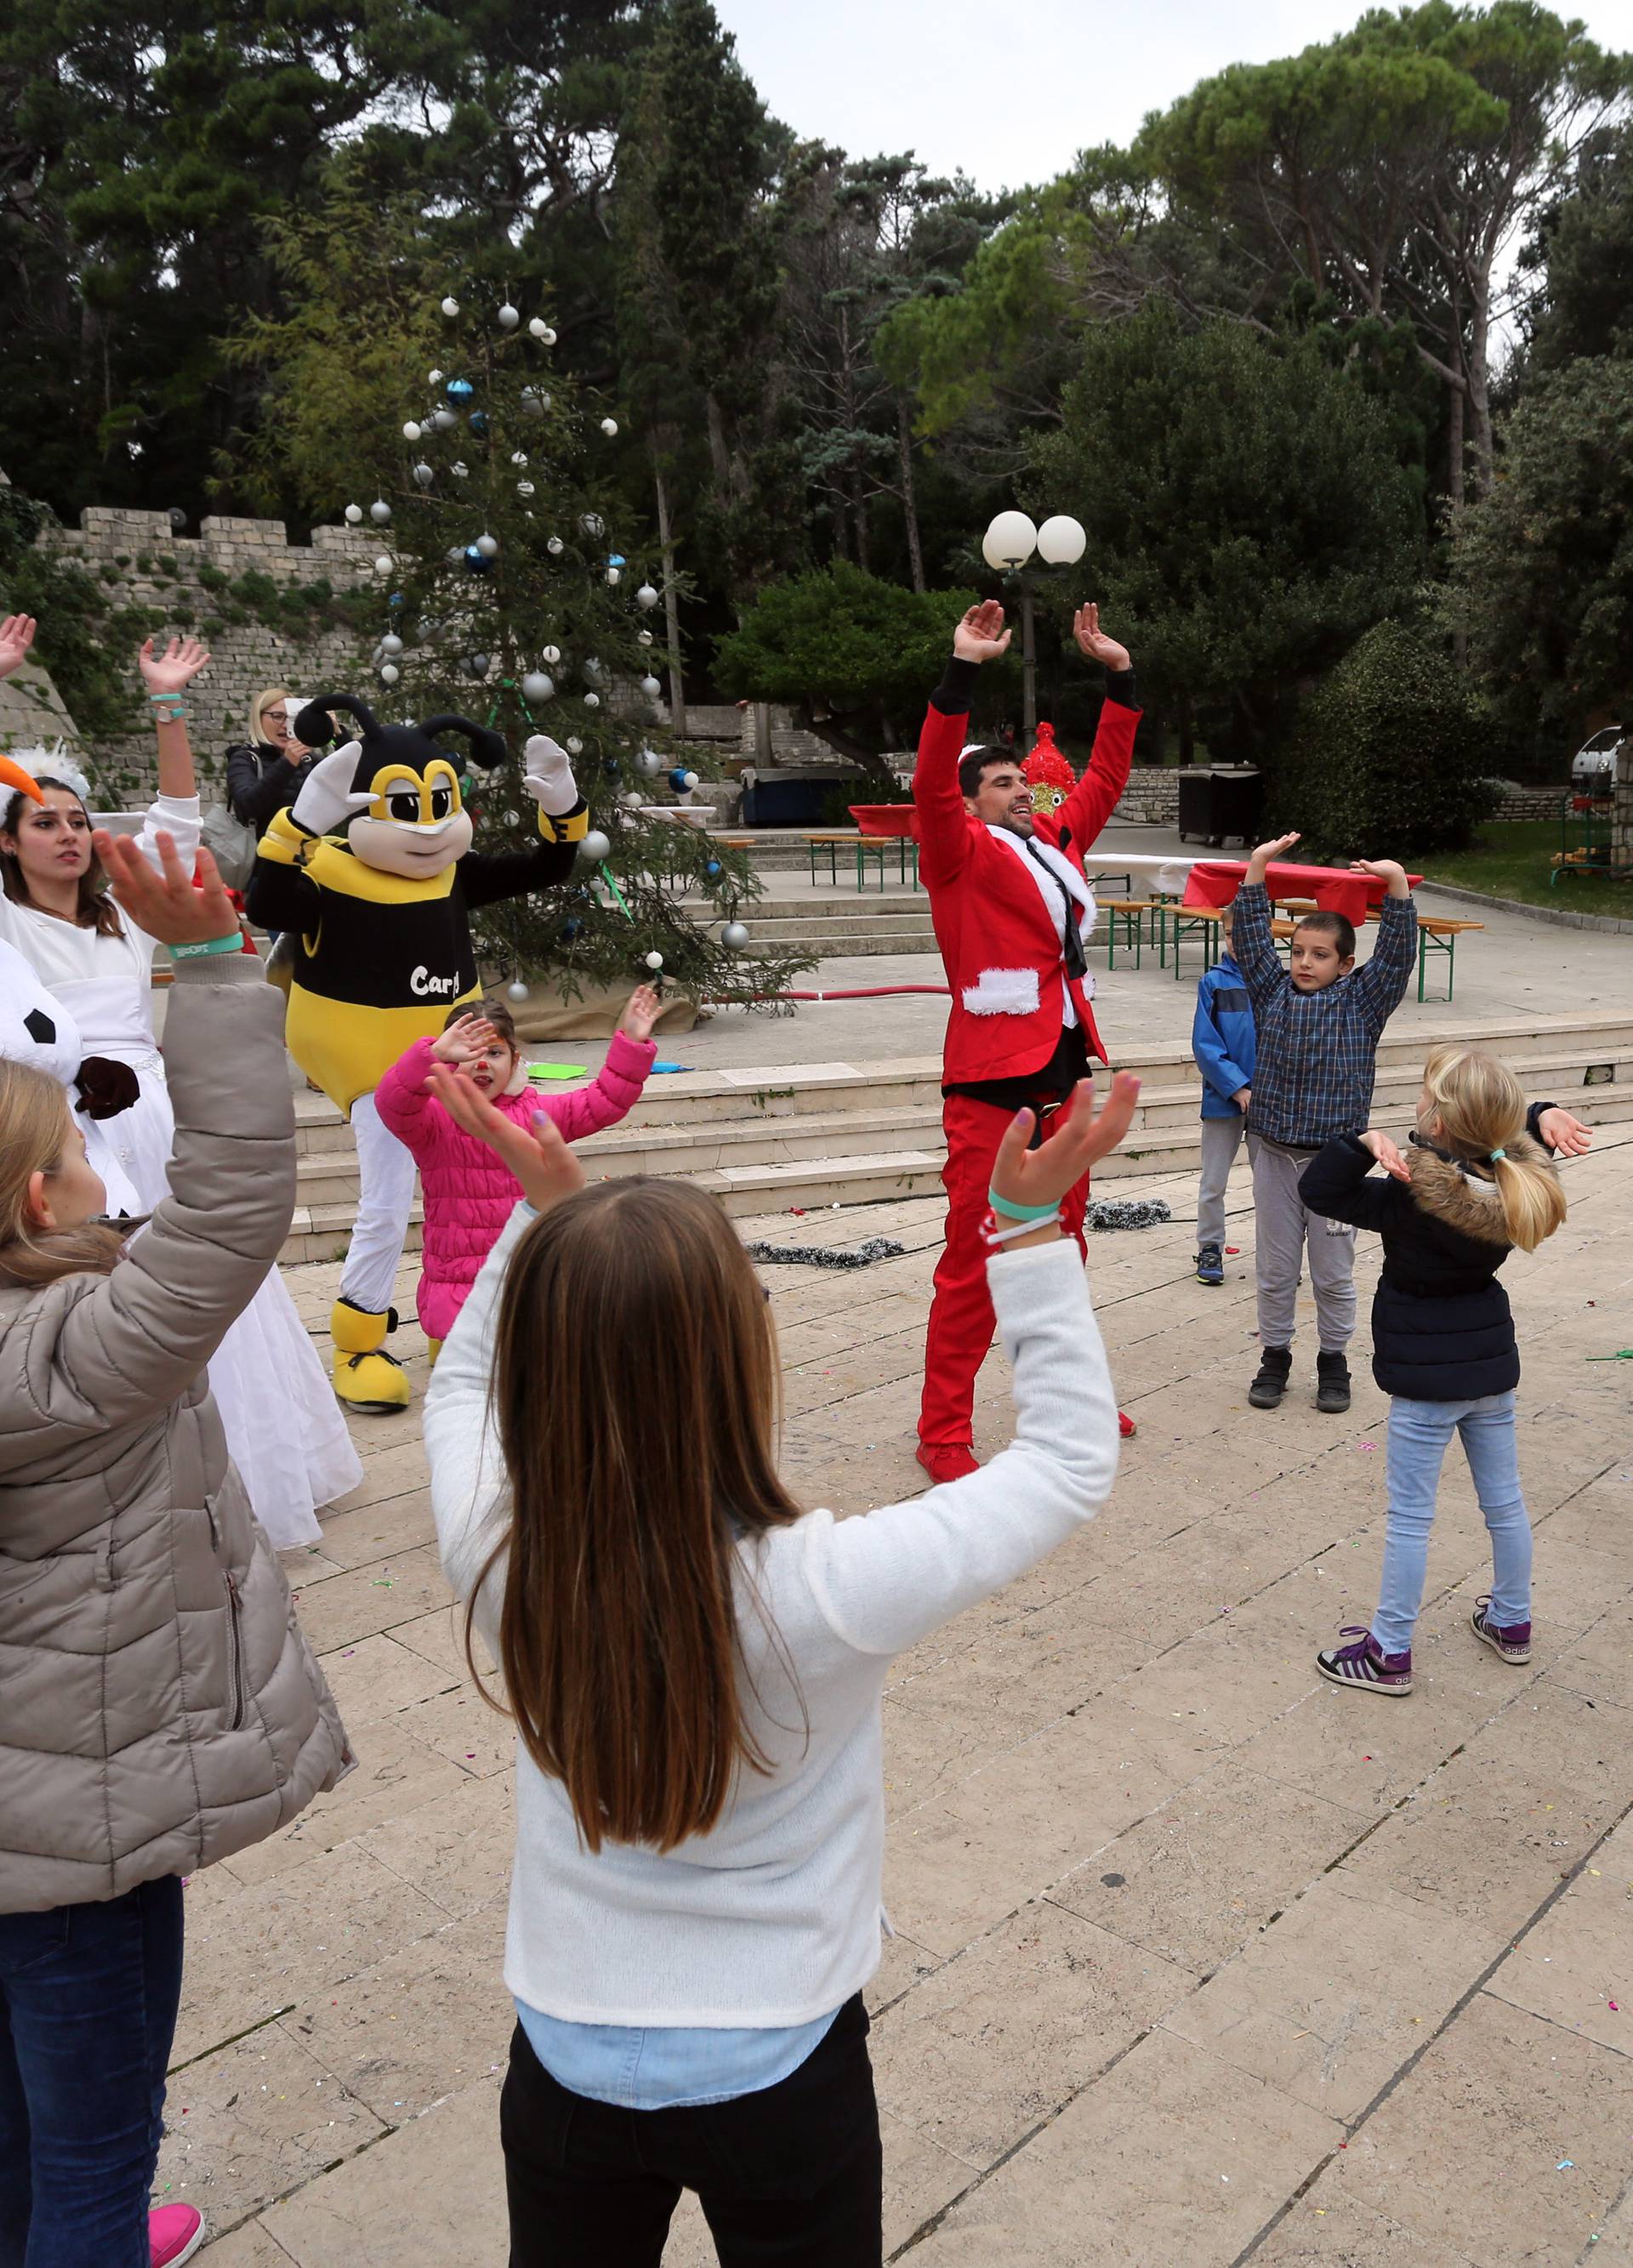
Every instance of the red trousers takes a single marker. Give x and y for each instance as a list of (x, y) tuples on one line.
[(961, 1310)]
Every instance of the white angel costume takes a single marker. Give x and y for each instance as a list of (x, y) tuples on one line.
[(284, 1429)]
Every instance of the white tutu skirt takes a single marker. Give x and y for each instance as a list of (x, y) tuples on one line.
[(283, 1427)]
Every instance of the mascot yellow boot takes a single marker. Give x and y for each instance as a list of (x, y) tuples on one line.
[(371, 872)]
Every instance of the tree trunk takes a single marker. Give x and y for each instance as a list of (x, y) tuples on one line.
[(859, 516), (1454, 448), (910, 502), (671, 610), (1479, 383)]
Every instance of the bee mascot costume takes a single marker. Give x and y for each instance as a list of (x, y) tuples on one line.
[(372, 869)]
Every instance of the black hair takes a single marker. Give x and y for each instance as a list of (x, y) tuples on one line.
[(1339, 927), (974, 766)]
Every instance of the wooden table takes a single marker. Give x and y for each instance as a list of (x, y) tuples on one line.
[(1438, 936)]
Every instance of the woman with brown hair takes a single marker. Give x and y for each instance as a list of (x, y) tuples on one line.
[(696, 1668)]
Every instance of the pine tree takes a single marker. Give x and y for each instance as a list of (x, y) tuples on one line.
[(515, 592)]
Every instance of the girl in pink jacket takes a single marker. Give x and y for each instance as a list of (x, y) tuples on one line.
[(470, 1196)]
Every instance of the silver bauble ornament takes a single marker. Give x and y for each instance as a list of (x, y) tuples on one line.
[(550, 656), (649, 761), (488, 546), (634, 800), (538, 327), (652, 961), (508, 318), (380, 513), (535, 686), (593, 524), (460, 470), (525, 488), (643, 638), (424, 475), (516, 990), (513, 819), (646, 598), (735, 936), (391, 643), (434, 377), (555, 547), (592, 701), (614, 575), (383, 563), (455, 554), (450, 307), (390, 673), (354, 513), (412, 430), (476, 664), (518, 457), (575, 746), (609, 427), (651, 687), (444, 420), (594, 847)]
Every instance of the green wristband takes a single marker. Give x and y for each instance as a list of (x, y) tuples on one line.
[(233, 944), (1020, 1212)]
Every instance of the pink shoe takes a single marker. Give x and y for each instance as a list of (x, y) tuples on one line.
[(174, 2233)]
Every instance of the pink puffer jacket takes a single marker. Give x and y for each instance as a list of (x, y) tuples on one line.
[(468, 1194)]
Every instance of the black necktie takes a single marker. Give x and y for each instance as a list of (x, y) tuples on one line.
[(1071, 943)]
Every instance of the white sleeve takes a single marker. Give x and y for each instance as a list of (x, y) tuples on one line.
[(468, 1491), (182, 818), (35, 1028), (888, 1579)]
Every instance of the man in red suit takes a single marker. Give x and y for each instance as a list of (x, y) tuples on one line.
[(1011, 908)]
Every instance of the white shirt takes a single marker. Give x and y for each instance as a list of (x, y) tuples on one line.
[(1066, 895), (774, 1918)]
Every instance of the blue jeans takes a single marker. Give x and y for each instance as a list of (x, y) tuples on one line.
[(88, 1999), (1419, 1433)]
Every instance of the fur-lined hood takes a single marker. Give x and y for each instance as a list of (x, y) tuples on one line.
[(1463, 1199)]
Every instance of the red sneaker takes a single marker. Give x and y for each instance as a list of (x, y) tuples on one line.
[(1126, 1426), (175, 2234), (947, 1461)]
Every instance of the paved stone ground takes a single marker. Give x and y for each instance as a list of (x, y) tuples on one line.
[(1196, 1958)]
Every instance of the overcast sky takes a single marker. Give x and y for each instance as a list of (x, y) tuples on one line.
[(1011, 93)]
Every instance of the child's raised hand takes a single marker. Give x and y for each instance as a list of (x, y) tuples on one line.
[(1381, 870), (465, 1041), (540, 1160), (17, 635), (641, 1013), (179, 663), (1044, 1175), (1565, 1135), (1267, 851), (1387, 1155), (166, 904)]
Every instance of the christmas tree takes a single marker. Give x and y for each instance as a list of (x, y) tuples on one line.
[(514, 592)]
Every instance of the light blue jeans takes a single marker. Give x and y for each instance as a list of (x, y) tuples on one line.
[(1419, 1433)]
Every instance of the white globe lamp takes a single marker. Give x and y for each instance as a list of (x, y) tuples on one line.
[(1062, 542), (1009, 542)]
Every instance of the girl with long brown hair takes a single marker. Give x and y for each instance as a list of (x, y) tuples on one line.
[(1479, 1184), (696, 1668)]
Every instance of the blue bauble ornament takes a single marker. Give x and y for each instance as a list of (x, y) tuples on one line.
[(460, 390), (474, 561), (479, 423), (397, 599), (680, 779), (615, 559), (573, 927), (712, 868)]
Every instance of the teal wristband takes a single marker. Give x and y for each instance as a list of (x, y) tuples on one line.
[(233, 944), (1020, 1212)]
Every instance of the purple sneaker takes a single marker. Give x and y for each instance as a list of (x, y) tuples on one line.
[(1511, 1642), (1361, 1667)]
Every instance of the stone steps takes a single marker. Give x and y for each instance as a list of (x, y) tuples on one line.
[(815, 1135)]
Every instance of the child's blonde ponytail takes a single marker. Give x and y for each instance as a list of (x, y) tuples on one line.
[(1481, 1109)]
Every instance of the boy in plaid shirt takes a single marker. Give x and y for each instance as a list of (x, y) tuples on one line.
[(1320, 1021)]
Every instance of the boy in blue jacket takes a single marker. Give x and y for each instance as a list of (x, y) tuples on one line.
[(1223, 1041)]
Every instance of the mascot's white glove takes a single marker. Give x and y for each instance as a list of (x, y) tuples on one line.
[(327, 800), (548, 776)]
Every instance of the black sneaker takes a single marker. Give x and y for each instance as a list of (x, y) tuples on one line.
[(1331, 1384), (1270, 1382), (1210, 1265)]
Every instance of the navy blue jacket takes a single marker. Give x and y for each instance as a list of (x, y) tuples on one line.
[(1222, 1037), (1442, 1330)]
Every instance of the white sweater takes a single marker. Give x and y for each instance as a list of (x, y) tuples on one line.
[(774, 1918)]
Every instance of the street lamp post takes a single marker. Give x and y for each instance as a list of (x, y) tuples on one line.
[(1007, 544)]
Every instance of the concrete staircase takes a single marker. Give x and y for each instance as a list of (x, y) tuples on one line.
[(824, 924), (810, 1135)]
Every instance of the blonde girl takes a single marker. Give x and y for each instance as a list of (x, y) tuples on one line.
[(1480, 1183)]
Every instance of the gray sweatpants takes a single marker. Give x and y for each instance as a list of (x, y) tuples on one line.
[(1282, 1228), (1222, 1138)]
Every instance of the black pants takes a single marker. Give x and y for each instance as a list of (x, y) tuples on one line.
[(791, 2174)]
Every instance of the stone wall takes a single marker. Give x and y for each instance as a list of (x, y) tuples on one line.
[(1622, 808), (138, 562)]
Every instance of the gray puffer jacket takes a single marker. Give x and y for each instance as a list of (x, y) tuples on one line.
[(159, 1706)]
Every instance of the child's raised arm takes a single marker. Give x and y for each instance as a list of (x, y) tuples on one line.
[(1381, 985)]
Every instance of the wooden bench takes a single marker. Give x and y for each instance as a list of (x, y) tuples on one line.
[(832, 839), (1440, 936)]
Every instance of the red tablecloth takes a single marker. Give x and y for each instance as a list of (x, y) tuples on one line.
[(889, 819), (1216, 882)]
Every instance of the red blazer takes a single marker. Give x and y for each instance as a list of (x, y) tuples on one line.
[(1000, 946)]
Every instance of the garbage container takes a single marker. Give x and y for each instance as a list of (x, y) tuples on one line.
[(1222, 801)]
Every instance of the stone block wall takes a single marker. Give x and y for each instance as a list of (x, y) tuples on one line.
[(138, 562)]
